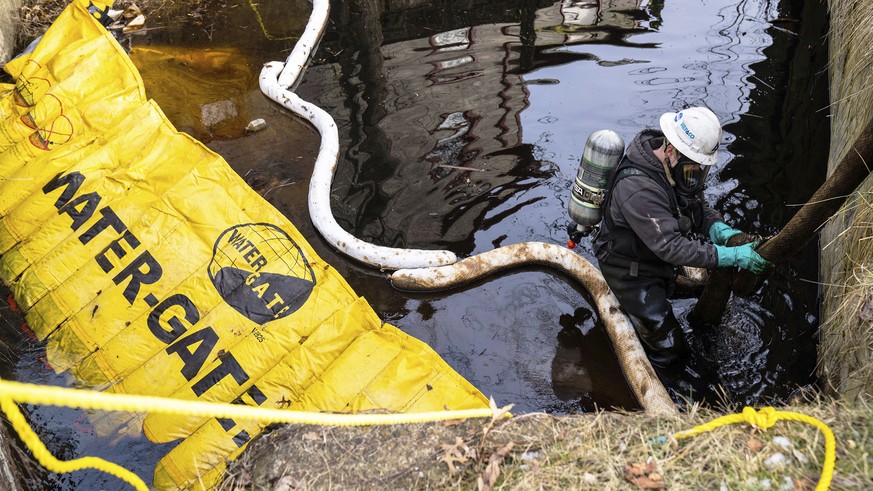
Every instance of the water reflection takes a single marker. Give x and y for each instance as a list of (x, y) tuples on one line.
[(583, 374), (462, 127), (202, 91), (418, 109)]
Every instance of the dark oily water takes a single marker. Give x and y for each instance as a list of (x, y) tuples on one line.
[(461, 127)]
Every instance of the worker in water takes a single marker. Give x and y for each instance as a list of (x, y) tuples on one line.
[(655, 220)]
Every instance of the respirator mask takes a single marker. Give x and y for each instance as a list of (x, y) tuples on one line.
[(689, 176)]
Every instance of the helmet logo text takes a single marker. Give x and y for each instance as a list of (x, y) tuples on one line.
[(686, 130)]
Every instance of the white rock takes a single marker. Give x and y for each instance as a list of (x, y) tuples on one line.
[(775, 461), (215, 112), (800, 457), (783, 442), (530, 455), (755, 483)]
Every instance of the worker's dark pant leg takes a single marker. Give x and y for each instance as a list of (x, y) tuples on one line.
[(644, 299)]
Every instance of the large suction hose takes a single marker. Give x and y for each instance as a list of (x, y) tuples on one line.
[(633, 360), (276, 81)]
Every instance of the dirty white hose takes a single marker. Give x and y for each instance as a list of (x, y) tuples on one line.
[(633, 360), (275, 81)]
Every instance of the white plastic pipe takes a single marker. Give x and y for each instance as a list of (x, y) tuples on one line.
[(275, 81), (633, 360)]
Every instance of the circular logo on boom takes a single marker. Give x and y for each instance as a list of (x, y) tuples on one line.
[(260, 272)]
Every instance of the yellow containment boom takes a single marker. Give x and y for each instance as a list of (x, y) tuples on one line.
[(149, 267)]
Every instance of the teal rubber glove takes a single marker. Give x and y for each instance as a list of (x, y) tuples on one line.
[(743, 256), (720, 232)]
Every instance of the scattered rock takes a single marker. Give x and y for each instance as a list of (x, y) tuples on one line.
[(135, 24), (800, 457), (783, 442), (287, 483), (775, 461), (215, 112), (755, 445), (755, 483)]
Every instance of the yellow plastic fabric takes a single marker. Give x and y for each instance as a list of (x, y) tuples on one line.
[(149, 267)]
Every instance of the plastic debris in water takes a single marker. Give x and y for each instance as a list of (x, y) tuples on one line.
[(256, 125)]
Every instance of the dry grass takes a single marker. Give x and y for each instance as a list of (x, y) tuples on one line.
[(538, 451), (851, 70), (846, 347), (36, 16), (847, 334)]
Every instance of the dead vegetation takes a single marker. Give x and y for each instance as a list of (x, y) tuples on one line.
[(36, 16), (846, 346), (846, 351), (604, 450)]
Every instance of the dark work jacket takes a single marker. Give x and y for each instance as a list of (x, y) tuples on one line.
[(643, 212)]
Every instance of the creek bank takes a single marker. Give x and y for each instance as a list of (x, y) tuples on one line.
[(845, 356), (540, 451)]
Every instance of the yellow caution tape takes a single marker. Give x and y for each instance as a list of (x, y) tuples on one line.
[(766, 418)]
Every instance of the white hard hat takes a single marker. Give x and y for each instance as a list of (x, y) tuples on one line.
[(695, 132)]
